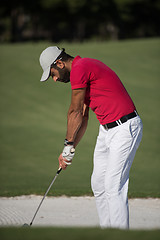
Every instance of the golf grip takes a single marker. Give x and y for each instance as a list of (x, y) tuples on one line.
[(58, 171)]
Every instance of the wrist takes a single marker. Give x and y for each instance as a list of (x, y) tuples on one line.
[(66, 143)]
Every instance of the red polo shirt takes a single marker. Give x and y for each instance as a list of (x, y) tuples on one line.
[(105, 93)]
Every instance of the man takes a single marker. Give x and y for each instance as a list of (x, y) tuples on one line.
[(94, 85)]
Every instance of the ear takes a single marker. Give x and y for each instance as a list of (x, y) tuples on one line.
[(60, 64)]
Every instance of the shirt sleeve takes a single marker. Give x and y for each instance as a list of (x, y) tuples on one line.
[(79, 77)]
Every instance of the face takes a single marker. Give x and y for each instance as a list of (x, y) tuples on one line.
[(60, 75)]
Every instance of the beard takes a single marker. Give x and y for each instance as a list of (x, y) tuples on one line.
[(64, 75)]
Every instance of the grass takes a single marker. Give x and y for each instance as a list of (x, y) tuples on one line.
[(33, 118), (75, 233)]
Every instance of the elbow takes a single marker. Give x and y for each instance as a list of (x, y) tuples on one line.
[(76, 113)]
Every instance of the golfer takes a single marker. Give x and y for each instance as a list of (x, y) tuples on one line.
[(94, 85)]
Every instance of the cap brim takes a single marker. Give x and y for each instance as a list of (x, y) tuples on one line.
[(45, 75)]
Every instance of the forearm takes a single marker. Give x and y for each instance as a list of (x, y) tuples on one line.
[(77, 124), (75, 120), (81, 131)]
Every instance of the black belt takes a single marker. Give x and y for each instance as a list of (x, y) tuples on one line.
[(120, 121)]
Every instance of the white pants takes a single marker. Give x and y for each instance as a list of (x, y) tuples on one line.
[(114, 153)]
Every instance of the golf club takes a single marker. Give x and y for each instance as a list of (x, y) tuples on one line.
[(26, 225)]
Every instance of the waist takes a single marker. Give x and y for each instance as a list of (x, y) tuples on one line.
[(120, 121)]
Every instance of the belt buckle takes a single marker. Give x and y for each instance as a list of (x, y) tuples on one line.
[(119, 122), (136, 112), (105, 127)]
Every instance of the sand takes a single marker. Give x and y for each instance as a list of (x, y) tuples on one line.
[(72, 212)]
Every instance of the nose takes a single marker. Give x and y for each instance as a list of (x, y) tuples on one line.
[(55, 78)]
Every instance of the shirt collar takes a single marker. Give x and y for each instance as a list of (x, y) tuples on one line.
[(75, 60)]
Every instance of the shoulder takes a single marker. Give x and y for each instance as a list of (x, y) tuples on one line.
[(80, 73), (80, 62)]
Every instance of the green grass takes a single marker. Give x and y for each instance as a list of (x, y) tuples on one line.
[(33, 118), (75, 234)]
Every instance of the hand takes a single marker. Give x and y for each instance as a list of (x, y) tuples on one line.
[(68, 153), (66, 156), (63, 162)]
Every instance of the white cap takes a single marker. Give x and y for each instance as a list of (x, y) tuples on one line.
[(47, 57)]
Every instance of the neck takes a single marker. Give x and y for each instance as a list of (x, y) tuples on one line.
[(69, 64)]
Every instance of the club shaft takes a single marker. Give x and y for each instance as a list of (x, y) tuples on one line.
[(59, 170)]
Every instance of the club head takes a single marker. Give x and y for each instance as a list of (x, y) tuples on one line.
[(26, 225)]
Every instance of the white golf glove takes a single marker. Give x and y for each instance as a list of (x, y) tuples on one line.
[(68, 153)]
